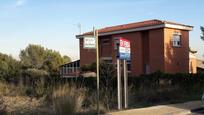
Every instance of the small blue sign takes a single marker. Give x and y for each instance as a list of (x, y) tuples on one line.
[(124, 56)]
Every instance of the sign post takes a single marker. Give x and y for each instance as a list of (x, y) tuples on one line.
[(97, 69), (119, 84), (123, 54), (125, 84), (91, 42)]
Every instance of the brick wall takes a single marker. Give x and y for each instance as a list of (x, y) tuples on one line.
[(150, 49), (176, 58)]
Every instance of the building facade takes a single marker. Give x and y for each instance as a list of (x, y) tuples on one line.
[(156, 45)]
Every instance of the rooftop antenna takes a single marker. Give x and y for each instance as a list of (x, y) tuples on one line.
[(79, 27)]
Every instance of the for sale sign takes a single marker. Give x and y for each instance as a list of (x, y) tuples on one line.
[(124, 49)]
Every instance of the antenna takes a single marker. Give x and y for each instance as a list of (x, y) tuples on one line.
[(79, 27)]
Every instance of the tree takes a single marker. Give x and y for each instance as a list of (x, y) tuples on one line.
[(202, 29), (52, 62), (37, 57), (33, 56), (9, 67), (66, 59)]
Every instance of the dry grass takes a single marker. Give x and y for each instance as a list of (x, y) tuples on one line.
[(23, 105), (12, 90), (2, 106), (13, 101), (4, 88), (20, 104), (65, 100), (68, 100)]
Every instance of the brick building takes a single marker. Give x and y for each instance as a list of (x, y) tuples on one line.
[(155, 45)]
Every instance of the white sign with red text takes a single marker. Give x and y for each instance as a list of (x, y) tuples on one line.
[(124, 49)]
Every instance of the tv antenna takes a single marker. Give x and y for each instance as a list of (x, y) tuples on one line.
[(79, 27)]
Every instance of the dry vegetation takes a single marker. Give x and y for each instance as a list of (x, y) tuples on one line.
[(68, 100), (66, 96), (63, 100), (13, 101)]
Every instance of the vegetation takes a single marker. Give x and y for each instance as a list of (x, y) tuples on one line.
[(37, 59), (26, 77), (68, 100), (2, 106), (9, 67), (32, 86)]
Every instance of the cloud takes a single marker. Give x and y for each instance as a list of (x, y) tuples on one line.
[(20, 3)]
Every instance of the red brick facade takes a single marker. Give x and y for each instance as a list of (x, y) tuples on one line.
[(151, 46)]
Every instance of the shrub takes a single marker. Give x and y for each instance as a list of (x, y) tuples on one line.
[(3, 88), (68, 100), (39, 88), (88, 68), (2, 107)]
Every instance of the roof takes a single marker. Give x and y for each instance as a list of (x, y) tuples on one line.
[(70, 63), (138, 25)]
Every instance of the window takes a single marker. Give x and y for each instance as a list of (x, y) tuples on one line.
[(107, 60), (61, 70), (176, 40), (116, 43), (106, 41), (67, 71), (64, 70)]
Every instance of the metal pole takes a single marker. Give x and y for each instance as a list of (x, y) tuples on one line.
[(97, 69), (125, 84), (119, 83)]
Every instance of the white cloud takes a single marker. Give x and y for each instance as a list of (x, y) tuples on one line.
[(20, 3)]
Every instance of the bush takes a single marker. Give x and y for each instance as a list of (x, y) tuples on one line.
[(68, 100), (39, 88), (2, 107), (88, 68)]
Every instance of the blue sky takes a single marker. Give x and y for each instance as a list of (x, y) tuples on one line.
[(53, 23)]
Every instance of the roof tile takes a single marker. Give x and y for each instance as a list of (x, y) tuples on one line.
[(133, 25)]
